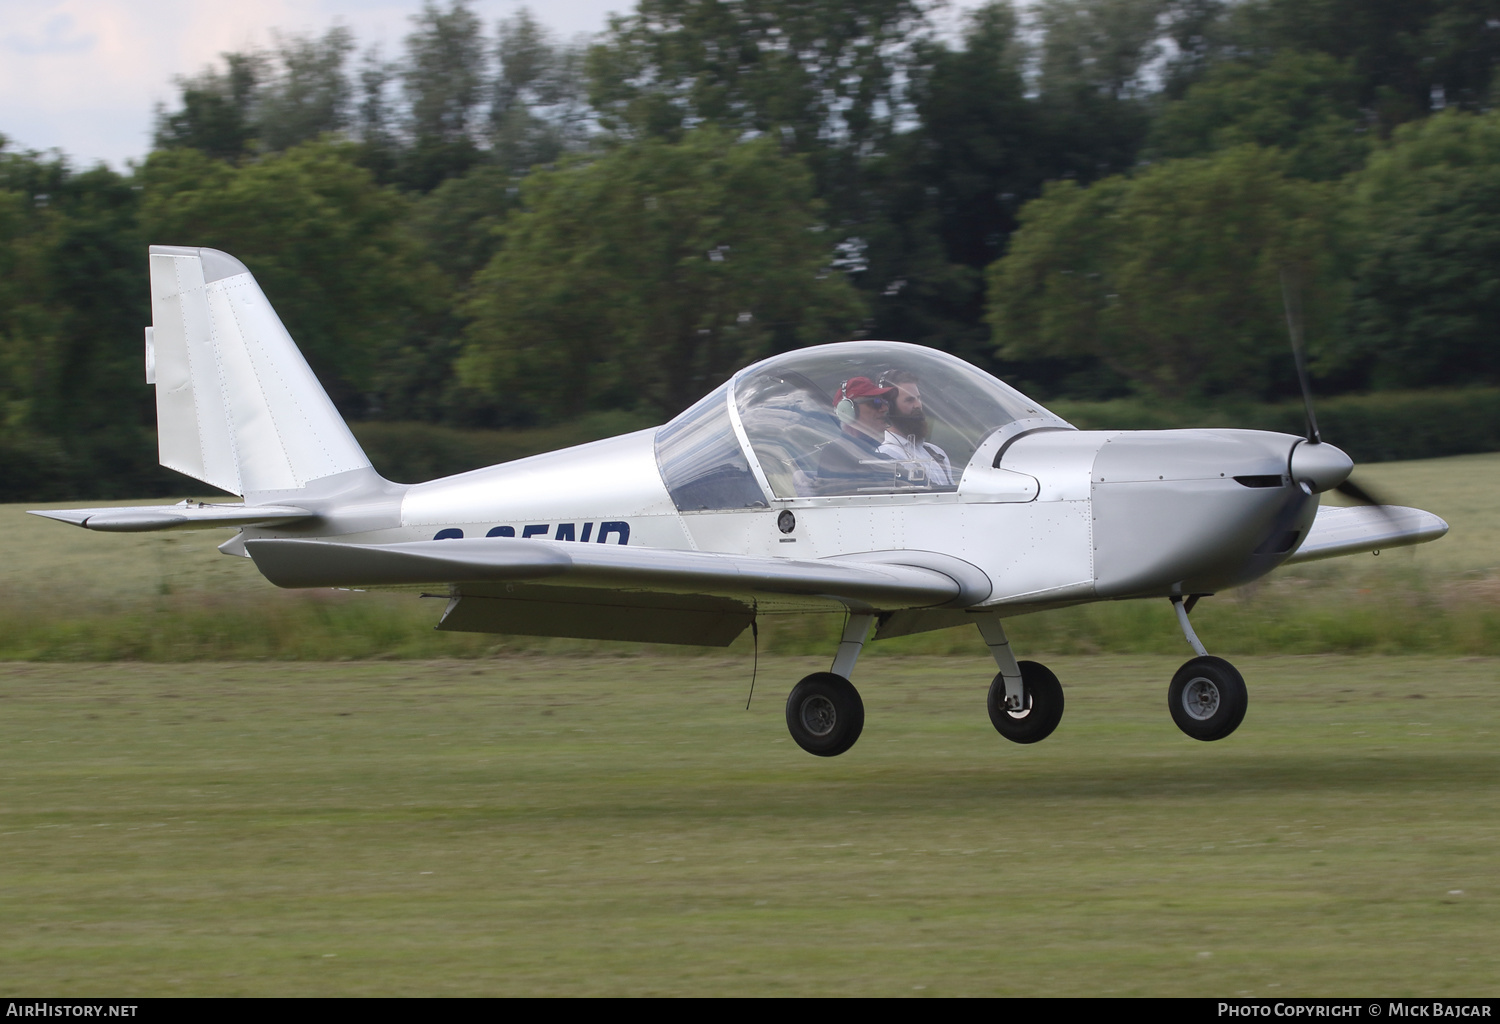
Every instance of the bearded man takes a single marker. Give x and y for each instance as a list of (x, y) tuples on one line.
[(907, 431)]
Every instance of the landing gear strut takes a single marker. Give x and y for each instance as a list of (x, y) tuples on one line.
[(1025, 700), (1207, 697), (824, 713)]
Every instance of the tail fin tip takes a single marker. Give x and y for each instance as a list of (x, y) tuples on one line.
[(217, 265)]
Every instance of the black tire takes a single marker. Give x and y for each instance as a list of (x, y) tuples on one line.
[(1208, 698), (1043, 701), (825, 714)]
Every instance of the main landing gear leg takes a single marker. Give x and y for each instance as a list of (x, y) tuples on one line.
[(824, 712), (1207, 697), (1025, 700)]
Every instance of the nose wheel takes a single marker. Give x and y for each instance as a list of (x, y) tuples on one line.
[(1208, 698), (1040, 707)]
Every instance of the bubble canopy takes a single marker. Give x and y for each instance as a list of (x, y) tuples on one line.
[(857, 418)]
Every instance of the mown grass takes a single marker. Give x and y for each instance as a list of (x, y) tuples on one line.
[(591, 826), (71, 595)]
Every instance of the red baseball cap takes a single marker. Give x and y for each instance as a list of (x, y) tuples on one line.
[(862, 387)]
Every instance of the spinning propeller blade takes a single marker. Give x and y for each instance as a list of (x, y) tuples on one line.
[(1291, 297), (1353, 491)]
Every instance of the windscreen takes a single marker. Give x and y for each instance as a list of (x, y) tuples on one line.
[(701, 460), (870, 417)]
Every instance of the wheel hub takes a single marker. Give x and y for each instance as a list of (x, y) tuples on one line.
[(1200, 699), (819, 716)]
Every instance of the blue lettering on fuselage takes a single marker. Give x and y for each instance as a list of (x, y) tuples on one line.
[(565, 531)]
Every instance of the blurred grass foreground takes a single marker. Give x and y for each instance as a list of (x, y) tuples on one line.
[(71, 595)]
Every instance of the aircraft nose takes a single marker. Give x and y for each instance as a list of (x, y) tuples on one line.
[(1320, 466)]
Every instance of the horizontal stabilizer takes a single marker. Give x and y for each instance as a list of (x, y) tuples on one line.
[(312, 563), (187, 515), (1349, 531)]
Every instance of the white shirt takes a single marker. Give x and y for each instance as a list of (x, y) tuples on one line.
[(926, 463)]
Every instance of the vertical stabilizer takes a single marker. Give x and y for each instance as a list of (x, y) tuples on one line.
[(236, 404)]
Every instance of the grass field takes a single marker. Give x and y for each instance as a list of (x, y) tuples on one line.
[(624, 826)]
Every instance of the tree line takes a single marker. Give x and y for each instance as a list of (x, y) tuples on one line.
[(498, 228)]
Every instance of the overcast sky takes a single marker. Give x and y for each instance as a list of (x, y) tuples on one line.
[(84, 76)]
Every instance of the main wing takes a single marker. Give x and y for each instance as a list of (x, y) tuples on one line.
[(1348, 531), (554, 588)]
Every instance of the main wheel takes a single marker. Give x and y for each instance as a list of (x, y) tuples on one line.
[(825, 714), (1042, 702), (1208, 698)]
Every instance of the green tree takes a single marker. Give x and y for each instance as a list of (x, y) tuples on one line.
[(539, 107), (443, 79), (218, 113), (942, 203), (309, 92), (1172, 278), (1304, 104), (1408, 56), (27, 344), (457, 226), (375, 118), (327, 244), (1427, 288), (75, 416), (263, 100), (825, 76), (1092, 86), (643, 278)]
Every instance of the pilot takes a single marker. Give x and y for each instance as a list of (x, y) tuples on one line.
[(863, 407), (907, 431), (855, 463)]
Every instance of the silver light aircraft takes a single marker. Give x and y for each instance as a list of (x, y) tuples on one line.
[(892, 482)]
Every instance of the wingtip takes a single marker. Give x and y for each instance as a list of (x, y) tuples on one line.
[(76, 517)]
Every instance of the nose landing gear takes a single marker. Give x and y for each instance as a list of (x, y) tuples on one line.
[(1041, 708), (1025, 700), (1207, 697)]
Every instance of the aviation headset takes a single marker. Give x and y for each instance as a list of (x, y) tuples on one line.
[(846, 410)]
